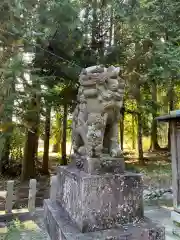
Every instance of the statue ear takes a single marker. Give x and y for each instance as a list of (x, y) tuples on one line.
[(110, 68), (84, 72), (118, 69)]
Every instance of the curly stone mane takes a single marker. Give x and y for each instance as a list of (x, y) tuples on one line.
[(95, 119)]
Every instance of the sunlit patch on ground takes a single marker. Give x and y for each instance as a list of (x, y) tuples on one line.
[(26, 230)]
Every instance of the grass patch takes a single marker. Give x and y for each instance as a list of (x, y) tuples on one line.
[(150, 168), (155, 163), (157, 173), (177, 224), (17, 230)]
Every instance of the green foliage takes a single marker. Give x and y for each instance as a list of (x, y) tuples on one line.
[(18, 230), (17, 144), (62, 37)]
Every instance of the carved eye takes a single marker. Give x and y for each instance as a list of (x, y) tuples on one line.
[(113, 77)]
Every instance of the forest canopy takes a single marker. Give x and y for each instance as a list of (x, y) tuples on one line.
[(44, 46)]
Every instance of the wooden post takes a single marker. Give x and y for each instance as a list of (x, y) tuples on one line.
[(9, 196), (53, 188), (32, 195), (174, 163), (174, 119)]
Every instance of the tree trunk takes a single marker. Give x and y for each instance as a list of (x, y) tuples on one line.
[(133, 133), (56, 147), (86, 24), (122, 131), (58, 134), (36, 146), (5, 150), (45, 166), (139, 135), (31, 145), (171, 107), (7, 142), (64, 137), (154, 136), (111, 26), (139, 122), (28, 164), (7, 146), (94, 25)]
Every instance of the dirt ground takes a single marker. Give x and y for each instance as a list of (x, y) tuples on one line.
[(156, 175)]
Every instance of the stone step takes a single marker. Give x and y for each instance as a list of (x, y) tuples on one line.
[(176, 231), (60, 226)]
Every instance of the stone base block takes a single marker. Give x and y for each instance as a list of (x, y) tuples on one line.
[(105, 164), (60, 227), (98, 202), (175, 216)]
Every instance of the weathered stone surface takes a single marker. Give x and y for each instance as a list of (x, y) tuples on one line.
[(97, 202), (105, 164), (153, 233), (112, 165), (96, 116), (60, 227)]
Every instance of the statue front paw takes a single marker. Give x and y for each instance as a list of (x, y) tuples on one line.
[(82, 151), (116, 152)]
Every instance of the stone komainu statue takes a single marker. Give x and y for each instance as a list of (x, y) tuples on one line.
[(96, 116)]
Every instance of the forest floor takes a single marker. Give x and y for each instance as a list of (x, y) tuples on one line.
[(156, 170), (33, 228), (156, 175)]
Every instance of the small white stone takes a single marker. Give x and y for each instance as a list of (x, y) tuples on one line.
[(167, 196)]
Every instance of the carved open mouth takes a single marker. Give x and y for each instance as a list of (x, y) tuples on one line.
[(114, 87)]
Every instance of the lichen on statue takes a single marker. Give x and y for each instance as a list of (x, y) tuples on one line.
[(96, 116)]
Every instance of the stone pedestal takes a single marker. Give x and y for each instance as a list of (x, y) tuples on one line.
[(96, 202), (61, 227), (106, 206)]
